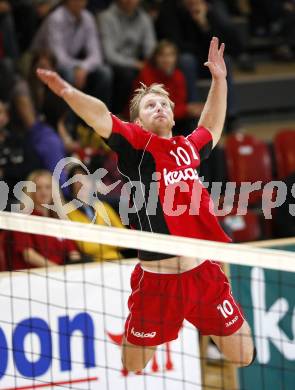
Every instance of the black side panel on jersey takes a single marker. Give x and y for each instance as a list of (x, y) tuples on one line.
[(205, 151), (151, 220), (127, 154)]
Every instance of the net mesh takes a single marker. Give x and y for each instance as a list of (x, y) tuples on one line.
[(62, 325)]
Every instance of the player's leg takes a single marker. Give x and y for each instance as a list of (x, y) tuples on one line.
[(154, 317), (238, 348), (215, 312), (134, 357)]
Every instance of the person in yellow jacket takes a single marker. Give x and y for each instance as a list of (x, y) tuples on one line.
[(97, 212)]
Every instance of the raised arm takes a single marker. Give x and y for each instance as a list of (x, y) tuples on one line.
[(213, 115), (93, 111)]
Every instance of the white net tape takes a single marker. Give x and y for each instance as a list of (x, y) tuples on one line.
[(37, 350), (239, 254)]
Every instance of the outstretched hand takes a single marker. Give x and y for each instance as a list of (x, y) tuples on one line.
[(58, 85), (215, 61)]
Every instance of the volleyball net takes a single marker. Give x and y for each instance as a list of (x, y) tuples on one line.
[(62, 326)]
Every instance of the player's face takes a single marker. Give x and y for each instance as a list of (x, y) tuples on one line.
[(43, 194), (156, 115)]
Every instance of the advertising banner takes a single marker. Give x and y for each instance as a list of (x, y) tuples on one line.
[(268, 299), (62, 328)]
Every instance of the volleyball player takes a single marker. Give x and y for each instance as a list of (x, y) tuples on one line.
[(165, 289)]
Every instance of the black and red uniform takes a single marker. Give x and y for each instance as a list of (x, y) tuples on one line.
[(165, 172)]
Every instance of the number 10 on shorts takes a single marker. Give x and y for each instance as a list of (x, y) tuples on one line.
[(225, 308)]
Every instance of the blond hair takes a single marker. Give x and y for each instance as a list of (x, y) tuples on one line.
[(141, 92)]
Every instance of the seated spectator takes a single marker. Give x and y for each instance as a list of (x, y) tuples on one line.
[(275, 19), (28, 16), (46, 103), (83, 143), (8, 42), (285, 214), (221, 18), (92, 210), (105, 158), (128, 39), (44, 139), (98, 5), (190, 24), (70, 33), (14, 91), (26, 119), (17, 156), (3, 265), (8, 49), (35, 250), (162, 69)]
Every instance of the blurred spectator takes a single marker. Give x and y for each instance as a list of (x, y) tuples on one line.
[(17, 156), (28, 15), (285, 214), (15, 92), (8, 50), (234, 7), (3, 266), (128, 39), (45, 101), (98, 5), (195, 22), (53, 109), (92, 210), (152, 7), (190, 24), (70, 33), (222, 23), (33, 250), (276, 19), (8, 40), (162, 69), (79, 139), (43, 138), (107, 159)]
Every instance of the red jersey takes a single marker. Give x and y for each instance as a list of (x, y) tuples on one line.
[(165, 171), (52, 248)]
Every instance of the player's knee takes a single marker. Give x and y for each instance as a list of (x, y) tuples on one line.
[(132, 362), (133, 365), (247, 358)]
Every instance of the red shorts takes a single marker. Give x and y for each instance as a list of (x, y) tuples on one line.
[(159, 303)]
